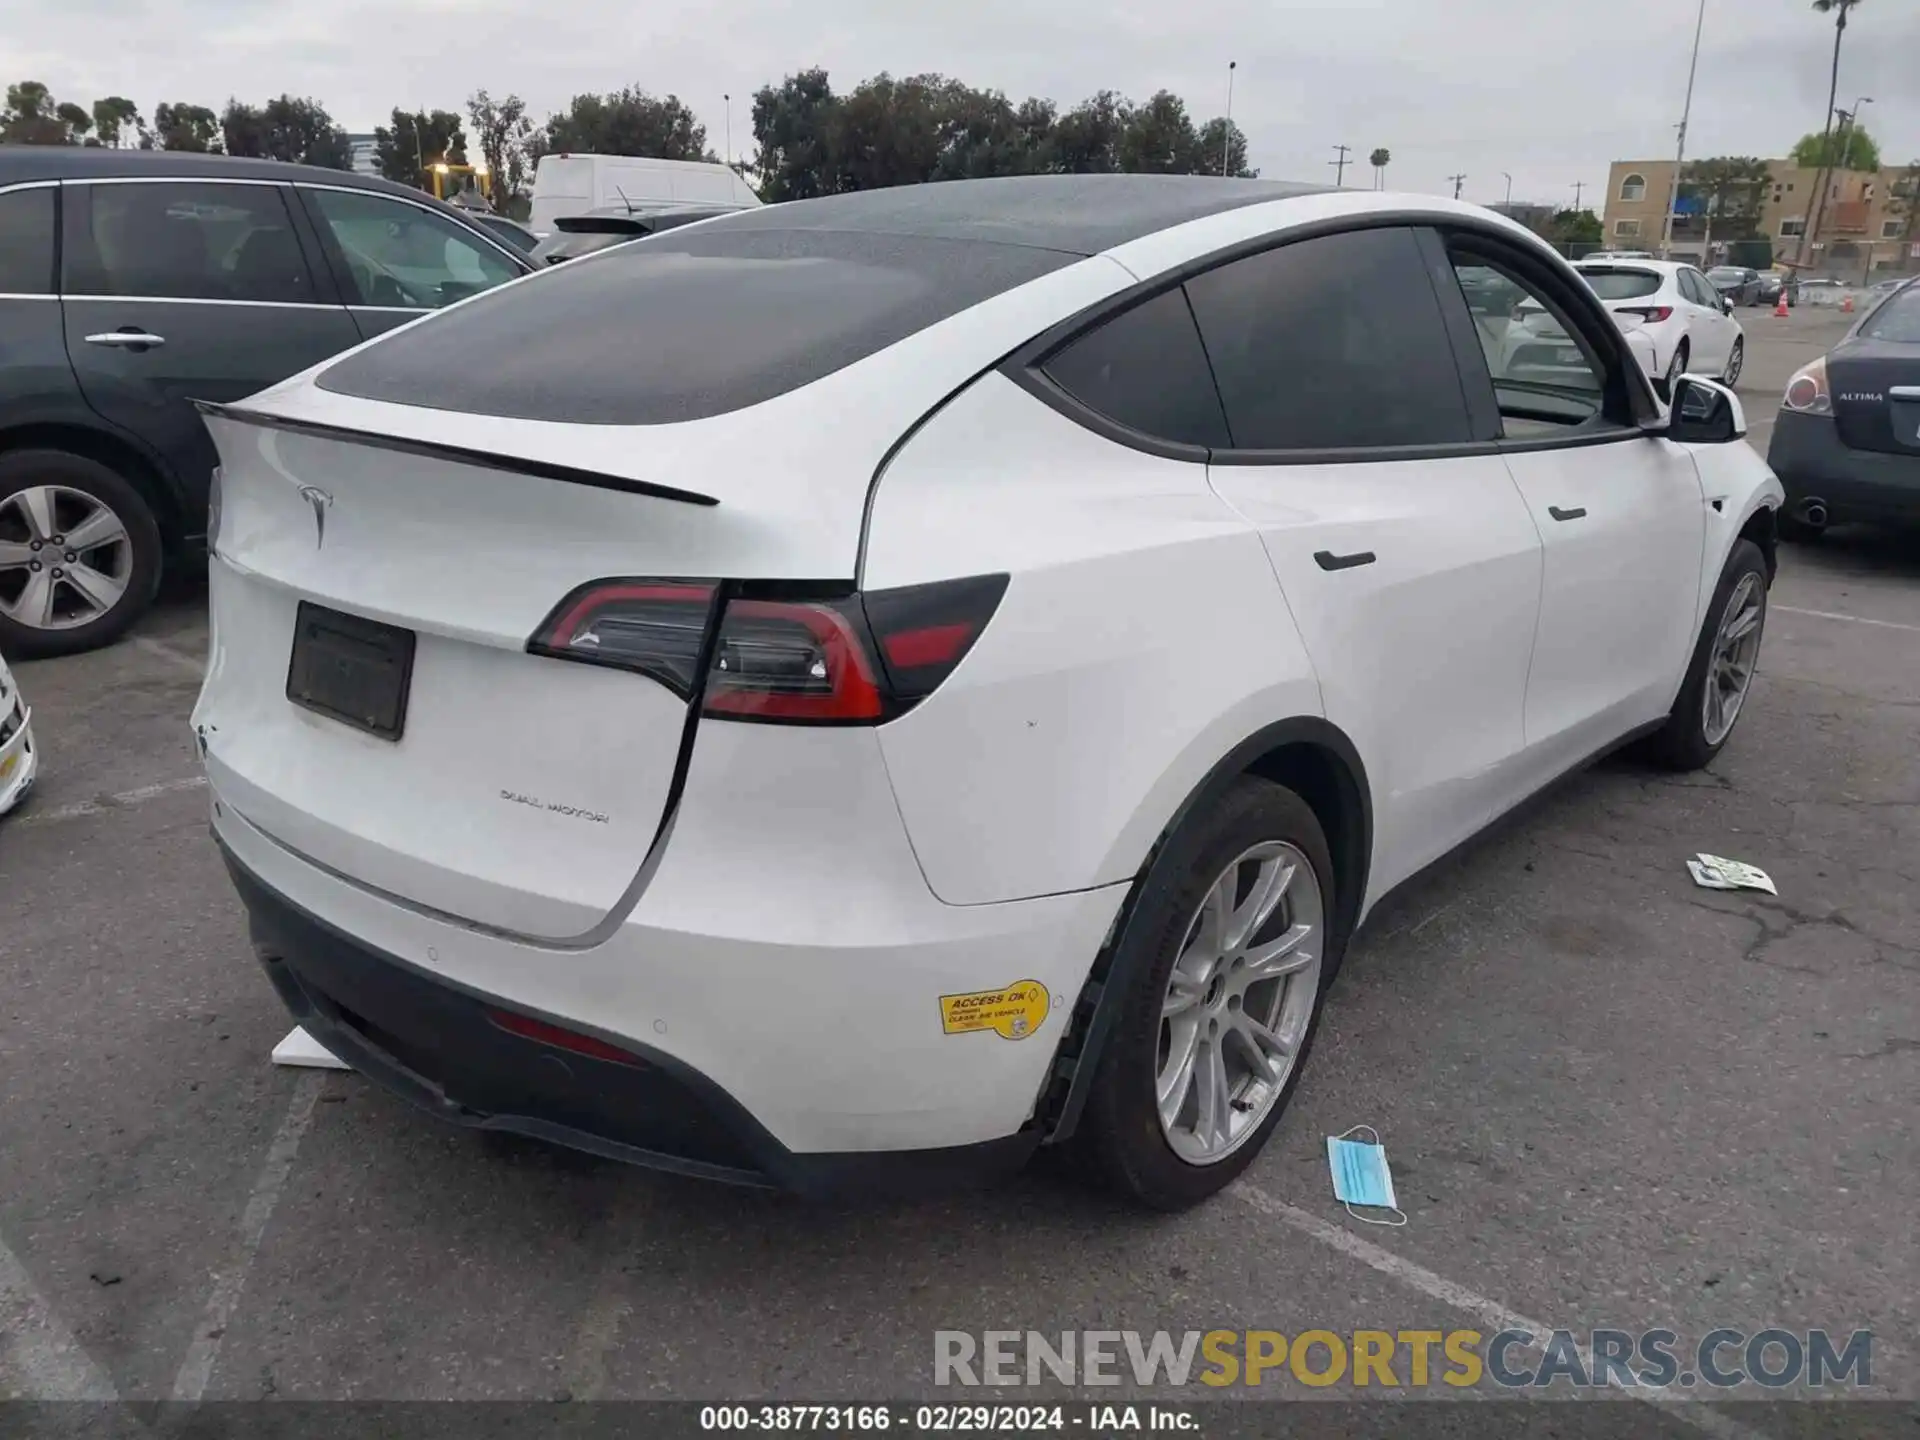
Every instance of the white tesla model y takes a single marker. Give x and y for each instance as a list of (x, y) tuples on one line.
[(853, 691)]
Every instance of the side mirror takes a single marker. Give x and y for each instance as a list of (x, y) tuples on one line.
[(1705, 412), (1726, 304)]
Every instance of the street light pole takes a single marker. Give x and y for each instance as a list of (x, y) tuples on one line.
[(1509, 180), (1226, 138), (1680, 155), (729, 99), (1853, 126)]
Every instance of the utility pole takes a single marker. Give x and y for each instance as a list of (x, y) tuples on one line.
[(1340, 165), (1579, 189), (729, 100), (1458, 181), (1680, 155), (1226, 139)]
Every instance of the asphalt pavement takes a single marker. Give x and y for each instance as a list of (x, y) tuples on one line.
[(1609, 1098)]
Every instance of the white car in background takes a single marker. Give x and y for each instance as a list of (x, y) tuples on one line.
[(17, 759), (1677, 308)]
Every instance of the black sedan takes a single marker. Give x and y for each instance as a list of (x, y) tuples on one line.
[(1847, 443), (1773, 282), (1736, 283)]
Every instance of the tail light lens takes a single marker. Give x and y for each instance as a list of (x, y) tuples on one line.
[(1807, 391), (1652, 314), (852, 660)]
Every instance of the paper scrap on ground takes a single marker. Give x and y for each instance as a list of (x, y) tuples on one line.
[(301, 1051), (1712, 872)]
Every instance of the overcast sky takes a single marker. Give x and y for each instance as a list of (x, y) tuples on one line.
[(1549, 90)]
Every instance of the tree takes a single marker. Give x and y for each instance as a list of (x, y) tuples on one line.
[(1086, 140), (32, 117), (1839, 9), (1159, 138), (117, 123), (628, 122), (1379, 160), (187, 127), (1849, 147), (1218, 137), (502, 131), (299, 131), (1574, 227), (1731, 190), (404, 150), (77, 120), (791, 130)]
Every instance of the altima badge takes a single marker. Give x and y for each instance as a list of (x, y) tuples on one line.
[(318, 501)]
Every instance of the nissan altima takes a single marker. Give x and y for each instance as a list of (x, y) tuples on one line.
[(858, 690)]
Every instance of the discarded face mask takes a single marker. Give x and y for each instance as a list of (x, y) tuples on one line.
[(1361, 1176), (1711, 872)]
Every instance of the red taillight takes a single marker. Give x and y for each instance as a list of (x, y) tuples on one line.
[(528, 1028), (1652, 314), (851, 660)]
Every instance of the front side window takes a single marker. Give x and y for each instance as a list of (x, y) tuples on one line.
[(1145, 369), (184, 240), (26, 241), (1334, 343), (405, 257), (1545, 379)]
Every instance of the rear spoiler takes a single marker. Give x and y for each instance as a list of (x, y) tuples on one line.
[(433, 450)]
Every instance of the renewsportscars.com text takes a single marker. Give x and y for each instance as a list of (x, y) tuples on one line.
[(1509, 1359)]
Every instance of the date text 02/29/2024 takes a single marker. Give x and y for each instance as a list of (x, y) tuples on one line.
[(948, 1419)]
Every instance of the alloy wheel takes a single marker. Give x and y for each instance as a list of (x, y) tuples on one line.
[(1239, 1001), (66, 558), (1676, 368), (1730, 664), (1735, 362)]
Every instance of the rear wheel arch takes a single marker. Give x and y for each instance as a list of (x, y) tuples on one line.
[(1307, 754), (124, 458)]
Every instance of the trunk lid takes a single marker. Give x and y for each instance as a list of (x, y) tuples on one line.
[(1876, 395)]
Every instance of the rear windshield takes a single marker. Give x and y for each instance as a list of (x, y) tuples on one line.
[(1621, 284), (1897, 319), (1719, 274), (684, 326)]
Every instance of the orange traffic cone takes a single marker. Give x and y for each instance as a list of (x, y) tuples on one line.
[(1846, 303), (1780, 307)]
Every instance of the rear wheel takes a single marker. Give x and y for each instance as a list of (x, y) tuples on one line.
[(1238, 942), (79, 553), (1677, 366)]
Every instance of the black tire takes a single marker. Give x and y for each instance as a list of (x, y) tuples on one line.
[(23, 469), (1120, 1135), (1682, 744)]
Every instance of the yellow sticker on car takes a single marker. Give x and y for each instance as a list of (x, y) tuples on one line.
[(1013, 1012), (6, 765)]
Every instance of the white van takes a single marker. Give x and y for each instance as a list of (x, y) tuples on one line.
[(576, 184)]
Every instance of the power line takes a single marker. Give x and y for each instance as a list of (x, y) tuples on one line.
[(1340, 165)]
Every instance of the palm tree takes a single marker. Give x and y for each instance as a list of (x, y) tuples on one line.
[(1816, 203), (1383, 157)]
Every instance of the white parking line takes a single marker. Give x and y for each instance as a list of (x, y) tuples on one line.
[(1854, 619), (204, 1353), (39, 1358), (1491, 1313), (166, 652), (107, 804)]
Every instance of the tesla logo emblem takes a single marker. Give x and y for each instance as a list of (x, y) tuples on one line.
[(318, 501)]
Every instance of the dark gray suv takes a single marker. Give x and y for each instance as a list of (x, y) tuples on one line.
[(133, 283)]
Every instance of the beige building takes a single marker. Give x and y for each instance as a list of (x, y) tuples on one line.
[(1864, 231)]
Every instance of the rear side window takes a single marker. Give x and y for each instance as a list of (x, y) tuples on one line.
[(186, 240), (1896, 319), (1145, 369), (1621, 284), (1334, 343), (694, 323), (26, 242)]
